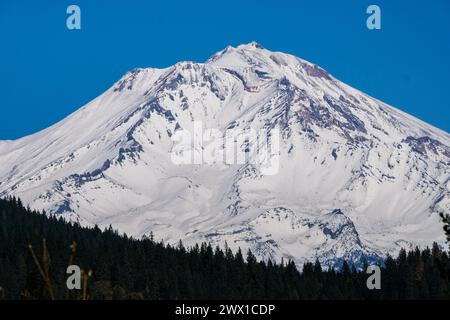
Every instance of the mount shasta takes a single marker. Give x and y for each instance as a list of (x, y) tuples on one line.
[(357, 179)]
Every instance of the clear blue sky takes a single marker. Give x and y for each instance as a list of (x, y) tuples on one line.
[(47, 71)]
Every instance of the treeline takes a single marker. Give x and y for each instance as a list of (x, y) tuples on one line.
[(125, 268)]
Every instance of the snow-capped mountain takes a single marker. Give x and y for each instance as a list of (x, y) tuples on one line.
[(357, 179)]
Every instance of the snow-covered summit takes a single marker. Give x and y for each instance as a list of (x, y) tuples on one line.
[(357, 178)]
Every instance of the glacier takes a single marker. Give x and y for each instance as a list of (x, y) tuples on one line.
[(357, 179)]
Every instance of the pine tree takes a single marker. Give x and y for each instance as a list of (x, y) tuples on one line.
[(446, 220), (126, 268)]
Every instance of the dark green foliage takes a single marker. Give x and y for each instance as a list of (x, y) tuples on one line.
[(125, 268), (446, 220)]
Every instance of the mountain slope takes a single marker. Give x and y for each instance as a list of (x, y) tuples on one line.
[(357, 179)]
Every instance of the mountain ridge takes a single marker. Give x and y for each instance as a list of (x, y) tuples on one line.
[(108, 162)]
